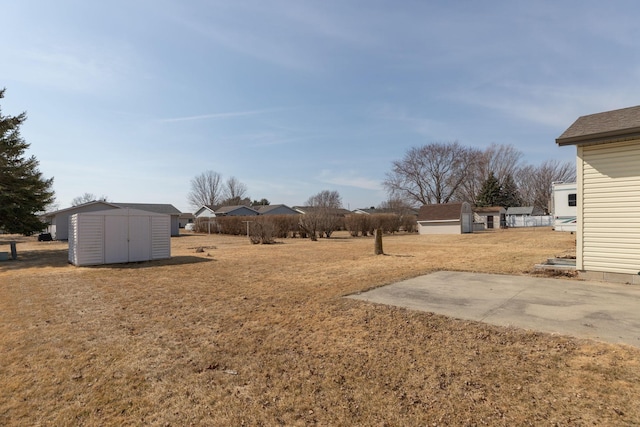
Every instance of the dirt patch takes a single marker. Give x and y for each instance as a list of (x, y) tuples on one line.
[(262, 336)]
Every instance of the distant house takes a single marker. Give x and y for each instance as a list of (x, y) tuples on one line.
[(208, 211), (185, 218), (608, 193), (492, 217), (160, 208), (334, 211), (373, 211), (239, 210), (58, 221), (205, 211), (275, 210), (448, 218), (366, 211)]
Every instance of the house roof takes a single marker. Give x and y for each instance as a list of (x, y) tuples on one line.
[(440, 212), (334, 211), (151, 207), (603, 127), (266, 209), (226, 209)]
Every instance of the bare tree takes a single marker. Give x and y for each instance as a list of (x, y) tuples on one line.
[(397, 205), (501, 160), (322, 216), (86, 198), (206, 189), (234, 192), (431, 173), (326, 199), (535, 182)]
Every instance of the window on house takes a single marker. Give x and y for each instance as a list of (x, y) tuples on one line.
[(572, 200)]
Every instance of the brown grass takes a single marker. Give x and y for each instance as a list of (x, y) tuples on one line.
[(243, 334)]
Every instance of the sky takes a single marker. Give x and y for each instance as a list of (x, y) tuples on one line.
[(132, 99)]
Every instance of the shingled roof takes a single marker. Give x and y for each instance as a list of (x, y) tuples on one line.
[(443, 212), (603, 127)]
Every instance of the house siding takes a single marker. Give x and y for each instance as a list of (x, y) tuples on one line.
[(608, 222)]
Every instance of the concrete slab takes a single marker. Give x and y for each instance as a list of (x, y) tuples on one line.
[(606, 312)]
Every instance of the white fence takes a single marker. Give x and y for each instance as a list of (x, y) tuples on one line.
[(529, 221)]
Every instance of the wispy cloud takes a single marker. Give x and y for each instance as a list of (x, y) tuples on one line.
[(550, 105), (348, 179), (226, 115)]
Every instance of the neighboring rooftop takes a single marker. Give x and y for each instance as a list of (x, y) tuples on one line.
[(602, 127)]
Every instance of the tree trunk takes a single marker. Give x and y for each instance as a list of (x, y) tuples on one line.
[(378, 241)]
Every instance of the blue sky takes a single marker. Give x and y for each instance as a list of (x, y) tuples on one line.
[(132, 99)]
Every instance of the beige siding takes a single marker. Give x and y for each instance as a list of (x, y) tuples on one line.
[(609, 212), (435, 227)]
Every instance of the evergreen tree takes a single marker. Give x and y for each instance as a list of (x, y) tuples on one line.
[(490, 193), (23, 191), (510, 193)]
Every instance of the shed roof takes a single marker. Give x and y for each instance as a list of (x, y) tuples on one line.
[(122, 212), (151, 207), (79, 207), (603, 127), (489, 209), (440, 212)]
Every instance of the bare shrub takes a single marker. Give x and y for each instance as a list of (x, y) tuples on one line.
[(284, 225), (358, 224), (262, 231), (388, 223), (409, 223)]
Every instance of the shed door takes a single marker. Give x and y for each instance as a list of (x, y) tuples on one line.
[(116, 246), (467, 223), (490, 221), (139, 238)]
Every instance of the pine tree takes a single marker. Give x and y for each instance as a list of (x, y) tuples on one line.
[(490, 193), (510, 193), (23, 191)]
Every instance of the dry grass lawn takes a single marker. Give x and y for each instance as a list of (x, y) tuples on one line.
[(254, 335)]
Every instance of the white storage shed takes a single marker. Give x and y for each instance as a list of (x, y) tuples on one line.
[(118, 236)]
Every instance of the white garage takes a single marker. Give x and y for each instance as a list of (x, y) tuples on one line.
[(118, 236)]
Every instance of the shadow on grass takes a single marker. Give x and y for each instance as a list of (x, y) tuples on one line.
[(36, 259), (59, 258), (173, 261)]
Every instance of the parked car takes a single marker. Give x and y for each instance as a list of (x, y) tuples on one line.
[(190, 227)]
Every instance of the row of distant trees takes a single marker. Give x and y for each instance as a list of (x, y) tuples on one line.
[(429, 174), (210, 189), (448, 172)]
